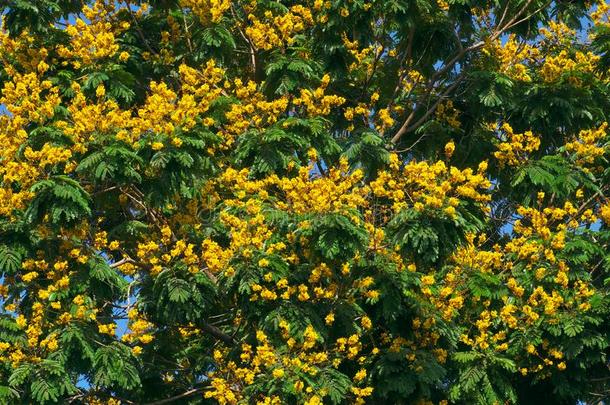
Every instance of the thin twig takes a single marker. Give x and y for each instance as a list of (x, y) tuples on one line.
[(174, 398), (188, 34)]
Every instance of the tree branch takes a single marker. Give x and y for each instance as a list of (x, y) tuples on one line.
[(217, 333), (176, 397)]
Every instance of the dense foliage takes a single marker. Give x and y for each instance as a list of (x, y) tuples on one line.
[(340, 201)]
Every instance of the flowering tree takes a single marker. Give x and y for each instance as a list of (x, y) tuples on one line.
[(265, 202)]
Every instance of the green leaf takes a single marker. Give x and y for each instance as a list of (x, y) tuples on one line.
[(61, 197), (113, 366), (10, 259)]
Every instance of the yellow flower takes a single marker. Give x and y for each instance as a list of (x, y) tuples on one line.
[(157, 145), (146, 338), (605, 213), (427, 280), (100, 91), (366, 322), (360, 375), (108, 329), (449, 149), (28, 277), (21, 321), (312, 154), (517, 147), (450, 211)]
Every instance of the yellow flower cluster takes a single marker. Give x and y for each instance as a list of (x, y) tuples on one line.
[(557, 67), (513, 57), (363, 58), (446, 112), (139, 329), (443, 5), (163, 111), (155, 256), (315, 102), (87, 119), (275, 31), (433, 186), (208, 10), (49, 155), (515, 148), (28, 100), (230, 379), (253, 109), (336, 192), (89, 43), (30, 350), (94, 39), (246, 235), (557, 33), (22, 50), (386, 120), (410, 78), (549, 293), (586, 146), (604, 213), (361, 110), (448, 297)]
